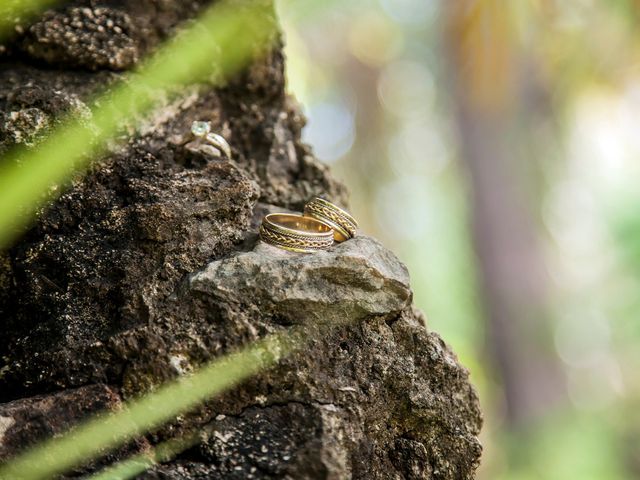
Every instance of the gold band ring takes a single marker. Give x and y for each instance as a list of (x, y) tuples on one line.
[(295, 233), (343, 224)]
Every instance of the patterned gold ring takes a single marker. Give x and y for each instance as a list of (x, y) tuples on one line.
[(295, 233), (343, 224)]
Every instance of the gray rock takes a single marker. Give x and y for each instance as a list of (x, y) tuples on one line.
[(370, 394), (352, 280)]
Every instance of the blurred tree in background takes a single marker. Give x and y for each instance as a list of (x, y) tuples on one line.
[(496, 98), (494, 145)]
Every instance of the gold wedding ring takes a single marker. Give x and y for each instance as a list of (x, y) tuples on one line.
[(295, 233), (344, 225)]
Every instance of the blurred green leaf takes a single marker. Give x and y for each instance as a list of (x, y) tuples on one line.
[(137, 464)]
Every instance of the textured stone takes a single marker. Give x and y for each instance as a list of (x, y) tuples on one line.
[(29, 111), (150, 265), (87, 37), (351, 280), (27, 421), (371, 394), (108, 36)]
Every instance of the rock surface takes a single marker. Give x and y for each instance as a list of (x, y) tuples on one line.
[(26, 421), (150, 265)]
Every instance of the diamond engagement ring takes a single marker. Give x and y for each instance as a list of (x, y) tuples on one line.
[(201, 130)]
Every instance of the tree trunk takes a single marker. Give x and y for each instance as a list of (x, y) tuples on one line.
[(512, 274), (150, 265)]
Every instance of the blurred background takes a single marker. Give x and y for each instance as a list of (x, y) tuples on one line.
[(495, 147)]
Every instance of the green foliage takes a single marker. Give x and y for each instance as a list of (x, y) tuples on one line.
[(568, 445)]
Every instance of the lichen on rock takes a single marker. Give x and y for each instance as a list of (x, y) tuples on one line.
[(86, 37)]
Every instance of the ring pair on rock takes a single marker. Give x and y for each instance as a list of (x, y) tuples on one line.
[(322, 224)]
